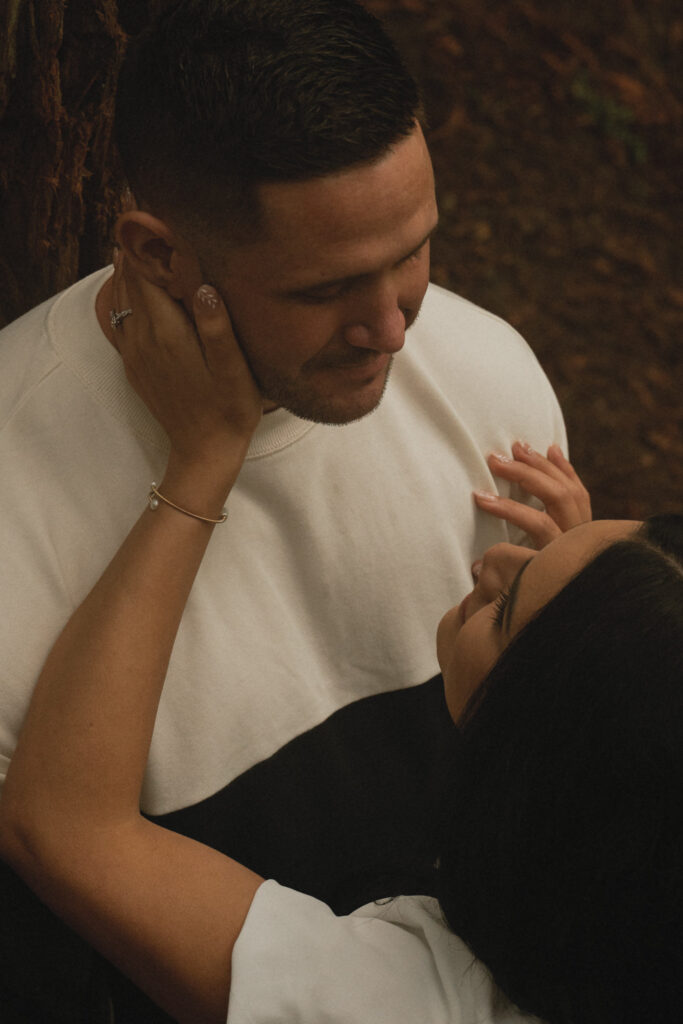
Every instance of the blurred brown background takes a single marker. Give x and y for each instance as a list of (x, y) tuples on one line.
[(556, 136)]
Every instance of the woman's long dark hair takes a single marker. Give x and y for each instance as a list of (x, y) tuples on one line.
[(563, 863)]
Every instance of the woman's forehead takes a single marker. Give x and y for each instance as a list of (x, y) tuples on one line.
[(556, 564)]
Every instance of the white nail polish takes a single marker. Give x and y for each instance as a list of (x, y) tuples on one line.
[(207, 296)]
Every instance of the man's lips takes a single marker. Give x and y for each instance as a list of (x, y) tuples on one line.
[(361, 369), (360, 363)]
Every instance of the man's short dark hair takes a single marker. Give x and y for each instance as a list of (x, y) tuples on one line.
[(219, 96)]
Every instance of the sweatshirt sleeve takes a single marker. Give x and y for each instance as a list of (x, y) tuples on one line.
[(394, 962)]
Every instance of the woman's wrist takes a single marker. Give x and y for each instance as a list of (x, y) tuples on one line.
[(202, 482)]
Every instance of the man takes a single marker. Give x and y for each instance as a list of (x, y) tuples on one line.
[(274, 150)]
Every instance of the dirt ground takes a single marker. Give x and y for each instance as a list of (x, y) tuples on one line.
[(556, 136)]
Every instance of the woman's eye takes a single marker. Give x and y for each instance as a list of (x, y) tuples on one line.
[(500, 606)]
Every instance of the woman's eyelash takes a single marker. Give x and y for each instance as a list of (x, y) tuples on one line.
[(500, 606)]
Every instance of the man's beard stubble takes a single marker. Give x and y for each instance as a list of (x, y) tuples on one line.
[(298, 399)]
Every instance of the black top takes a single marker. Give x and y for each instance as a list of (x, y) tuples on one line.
[(348, 812)]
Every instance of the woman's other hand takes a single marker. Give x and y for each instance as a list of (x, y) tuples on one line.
[(552, 479)]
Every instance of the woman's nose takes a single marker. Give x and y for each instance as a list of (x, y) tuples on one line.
[(498, 567)]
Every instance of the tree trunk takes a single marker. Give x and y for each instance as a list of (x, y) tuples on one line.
[(58, 65)]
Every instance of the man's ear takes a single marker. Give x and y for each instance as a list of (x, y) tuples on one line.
[(158, 253)]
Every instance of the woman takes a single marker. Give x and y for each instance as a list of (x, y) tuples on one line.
[(563, 671)]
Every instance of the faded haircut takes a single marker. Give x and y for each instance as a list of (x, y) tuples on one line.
[(219, 96)]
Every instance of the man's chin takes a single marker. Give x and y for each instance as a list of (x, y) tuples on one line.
[(340, 409), (333, 409)]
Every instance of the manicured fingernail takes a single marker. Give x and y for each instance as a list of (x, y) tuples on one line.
[(525, 447), (207, 297), (115, 255), (501, 458), (476, 568), (486, 496)]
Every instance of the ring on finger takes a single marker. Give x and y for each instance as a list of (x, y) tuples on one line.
[(116, 319)]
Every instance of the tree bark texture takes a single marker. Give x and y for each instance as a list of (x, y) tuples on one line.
[(58, 65)]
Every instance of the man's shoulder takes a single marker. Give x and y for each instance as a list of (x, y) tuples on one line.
[(25, 357), (32, 346), (464, 363), (446, 315), (29, 324), (454, 336), (75, 297)]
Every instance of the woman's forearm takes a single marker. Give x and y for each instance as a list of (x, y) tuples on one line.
[(165, 909), (86, 739)]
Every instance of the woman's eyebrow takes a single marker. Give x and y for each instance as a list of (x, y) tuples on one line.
[(512, 599)]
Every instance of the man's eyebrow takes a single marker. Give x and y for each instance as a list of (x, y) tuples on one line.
[(512, 596), (424, 241), (350, 278)]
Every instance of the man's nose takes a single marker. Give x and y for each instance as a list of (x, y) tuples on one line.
[(380, 322)]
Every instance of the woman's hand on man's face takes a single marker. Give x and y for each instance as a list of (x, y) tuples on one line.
[(552, 479), (192, 376)]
